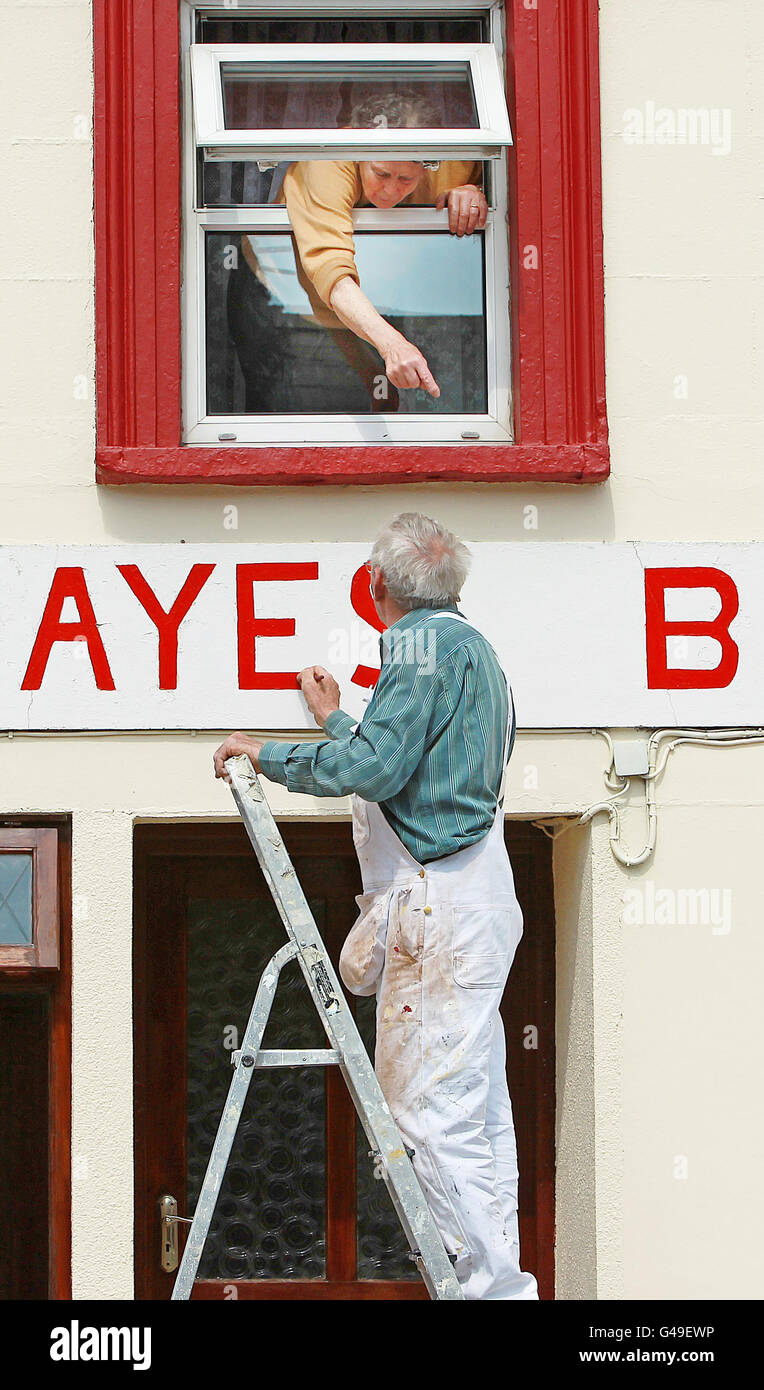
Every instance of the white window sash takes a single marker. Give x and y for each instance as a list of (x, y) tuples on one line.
[(494, 426), (486, 141), (374, 8)]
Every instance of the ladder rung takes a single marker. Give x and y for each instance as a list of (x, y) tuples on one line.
[(309, 1057)]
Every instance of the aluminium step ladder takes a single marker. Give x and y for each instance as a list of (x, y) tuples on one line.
[(391, 1159)]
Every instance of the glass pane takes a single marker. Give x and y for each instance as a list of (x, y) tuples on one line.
[(273, 349), (331, 96), (239, 183), (381, 1245), (270, 1219), (345, 29), (233, 183), (16, 922)]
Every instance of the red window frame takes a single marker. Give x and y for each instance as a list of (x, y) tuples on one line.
[(558, 332)]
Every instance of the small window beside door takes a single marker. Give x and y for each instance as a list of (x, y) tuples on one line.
[(29, 922)]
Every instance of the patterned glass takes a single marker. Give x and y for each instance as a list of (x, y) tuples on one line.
[(382, 1248), (270, 1218)]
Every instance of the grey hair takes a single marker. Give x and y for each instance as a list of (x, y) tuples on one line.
[(404, 108), (424, 565)]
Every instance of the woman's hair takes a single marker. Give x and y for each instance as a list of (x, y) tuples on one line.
[(424, 565), (401, 109)]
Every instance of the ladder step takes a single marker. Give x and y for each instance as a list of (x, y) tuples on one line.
[(309, 1057)]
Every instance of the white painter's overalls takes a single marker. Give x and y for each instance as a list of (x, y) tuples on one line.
[(435, 943)]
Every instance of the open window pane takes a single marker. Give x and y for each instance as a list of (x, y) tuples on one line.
[(332, 96), (329, 101), (270, 351)]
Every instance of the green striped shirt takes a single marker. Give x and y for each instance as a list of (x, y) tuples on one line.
[(429, 747)]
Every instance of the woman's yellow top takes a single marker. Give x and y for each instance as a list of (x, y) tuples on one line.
[(320, 196)]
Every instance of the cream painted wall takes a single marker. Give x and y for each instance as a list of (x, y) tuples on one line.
[(659, 1047), (684, 244), (102, 1054)]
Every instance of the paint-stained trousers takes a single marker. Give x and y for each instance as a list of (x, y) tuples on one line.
[(436, 943)]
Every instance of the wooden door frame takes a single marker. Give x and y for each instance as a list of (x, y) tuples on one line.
[(173, 843), (57, 985)]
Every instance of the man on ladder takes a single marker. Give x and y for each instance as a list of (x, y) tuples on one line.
[(439, 920)]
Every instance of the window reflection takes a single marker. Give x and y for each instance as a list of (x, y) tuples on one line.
[(271, 350), (328, 96)]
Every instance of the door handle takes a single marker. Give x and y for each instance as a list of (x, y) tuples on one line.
[(168, 1222)]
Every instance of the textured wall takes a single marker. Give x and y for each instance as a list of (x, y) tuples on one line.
[(659, 1048)]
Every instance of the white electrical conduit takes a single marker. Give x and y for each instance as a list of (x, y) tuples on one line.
[(720, 738)]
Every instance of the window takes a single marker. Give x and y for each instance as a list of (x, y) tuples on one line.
[(266, 358), (28, 897), (197, 260)]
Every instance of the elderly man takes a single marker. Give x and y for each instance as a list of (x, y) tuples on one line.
[(439, 920)]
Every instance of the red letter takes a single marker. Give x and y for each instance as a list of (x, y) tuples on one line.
[(659, 675), (363, 605), (167, 624), (251, 627), (68, 583)]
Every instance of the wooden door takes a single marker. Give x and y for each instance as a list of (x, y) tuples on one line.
[(35, 1062), (300, 1214)]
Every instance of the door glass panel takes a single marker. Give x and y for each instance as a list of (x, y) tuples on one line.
[(270, 1218), (274, 348), (16, 920), (333, 96), (26, 1218), (382, 1248)]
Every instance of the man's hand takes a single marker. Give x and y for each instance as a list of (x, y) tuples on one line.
[(235, 744), (406, 366), (321, 691), (467, 209)]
